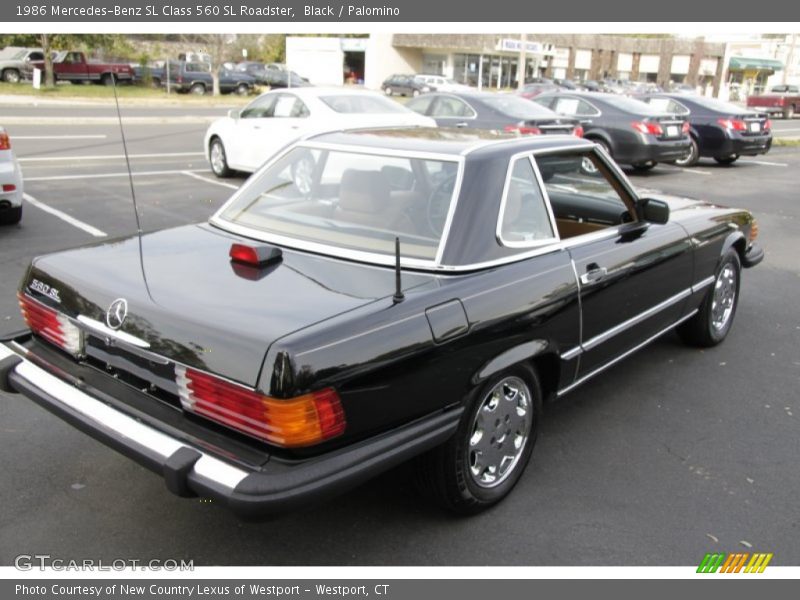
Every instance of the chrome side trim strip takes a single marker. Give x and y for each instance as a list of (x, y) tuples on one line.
[(571, 353), (588, 376), (635, 320), (703, 283), (108, 419)]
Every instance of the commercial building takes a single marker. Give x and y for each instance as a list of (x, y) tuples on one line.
[(491, 60)]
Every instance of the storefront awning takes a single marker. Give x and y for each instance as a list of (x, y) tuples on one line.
[(740, 63)]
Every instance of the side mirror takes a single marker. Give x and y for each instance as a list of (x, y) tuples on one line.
[(654, 211), (234, 113)]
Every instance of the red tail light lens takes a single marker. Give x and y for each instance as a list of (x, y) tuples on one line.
[(767, 125), (578, 131), (734, 124), (685, 127), (5, 143), (9, 187), (51, 325), (522, 130), (647, 127), (301, 421)]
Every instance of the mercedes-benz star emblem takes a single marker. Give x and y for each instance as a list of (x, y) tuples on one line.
[(116, 313)]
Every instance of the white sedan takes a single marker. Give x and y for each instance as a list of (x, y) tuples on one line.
[(10, 183), (247, 137)]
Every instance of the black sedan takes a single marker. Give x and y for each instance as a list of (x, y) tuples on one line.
[(720, 130), (629, 130), (365, 298), (405, 85), (496, 112)]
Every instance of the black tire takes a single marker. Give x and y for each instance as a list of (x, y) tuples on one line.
[(242, 89), (218, 159), (155, 82), (198, 89), (107, 79), (692, 158), (11, 76), (706, 329), (388, 91), (450, 473), (644, 166), (727, 160), (11, 216)]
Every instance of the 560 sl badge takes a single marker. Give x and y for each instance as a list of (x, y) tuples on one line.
[(43, 288)]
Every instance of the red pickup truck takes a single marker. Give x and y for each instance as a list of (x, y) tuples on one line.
[(73, 66), (781, 100)]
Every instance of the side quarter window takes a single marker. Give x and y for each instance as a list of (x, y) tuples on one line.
[(524, 219)]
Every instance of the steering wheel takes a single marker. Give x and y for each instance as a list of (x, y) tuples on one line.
[(439, 204)]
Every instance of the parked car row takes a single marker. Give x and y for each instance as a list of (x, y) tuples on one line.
[(195, 78), (414, 85), (11, 187)]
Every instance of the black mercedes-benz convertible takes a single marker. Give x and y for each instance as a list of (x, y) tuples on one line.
[(366, 298)]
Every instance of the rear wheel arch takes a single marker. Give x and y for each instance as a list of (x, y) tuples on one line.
[(599, 137)]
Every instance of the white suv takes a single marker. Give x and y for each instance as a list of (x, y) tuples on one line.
[(10, 183)]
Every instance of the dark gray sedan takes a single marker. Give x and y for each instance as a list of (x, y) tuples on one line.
[(498, 112), (631, 131)]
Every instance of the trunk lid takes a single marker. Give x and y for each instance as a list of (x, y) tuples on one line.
[(190, 304)]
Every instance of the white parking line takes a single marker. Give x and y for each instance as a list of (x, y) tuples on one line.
[(692, 171), (222, 183), (109, 175), (108, 156), (100, 136), (763, 162), (64, 216)]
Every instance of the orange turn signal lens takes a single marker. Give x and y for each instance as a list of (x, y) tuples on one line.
[(294, 422), (753, 231)]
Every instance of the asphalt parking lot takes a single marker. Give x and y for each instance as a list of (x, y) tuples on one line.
[(671, 454)]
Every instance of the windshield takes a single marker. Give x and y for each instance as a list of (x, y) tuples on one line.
[(348, 200), (516, 107), (362, 103)]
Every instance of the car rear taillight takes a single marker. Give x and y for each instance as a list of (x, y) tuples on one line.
[(5, 143), (9, 187), (767, 125), (51, 325), (685, 127), (578, 131), (734, 124), (753, 231), (293, 422), (647, 127), (522, 130)]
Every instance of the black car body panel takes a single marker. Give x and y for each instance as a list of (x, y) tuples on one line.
[(485, 110), (713, 139), (611, 119), (403, 368)]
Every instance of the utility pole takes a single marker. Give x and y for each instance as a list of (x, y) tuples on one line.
[(521, 62), (789, 60)]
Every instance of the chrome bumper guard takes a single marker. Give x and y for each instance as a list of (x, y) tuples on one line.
[(190, 471)]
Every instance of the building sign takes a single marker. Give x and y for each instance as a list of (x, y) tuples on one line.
[(508, 45), (353, 44)]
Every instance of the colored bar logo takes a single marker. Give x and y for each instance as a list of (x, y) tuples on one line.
[(735, 562)]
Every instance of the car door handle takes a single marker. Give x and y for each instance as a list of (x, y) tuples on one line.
[(462, 124), (593, 274)]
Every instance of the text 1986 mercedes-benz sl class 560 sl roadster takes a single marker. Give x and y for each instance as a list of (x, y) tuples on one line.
[(366, 298)]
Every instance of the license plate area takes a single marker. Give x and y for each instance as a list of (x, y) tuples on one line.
[(673, 131)]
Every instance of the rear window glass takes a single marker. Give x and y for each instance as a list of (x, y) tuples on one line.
[(631, 105), (516, 107)]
